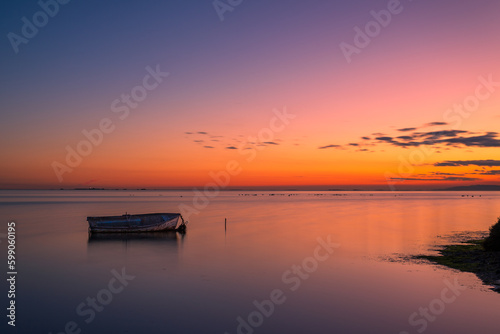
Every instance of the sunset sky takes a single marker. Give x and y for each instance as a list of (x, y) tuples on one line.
[(270, 88)]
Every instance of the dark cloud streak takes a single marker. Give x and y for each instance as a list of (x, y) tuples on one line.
[(329, 146), (448, 178), (480, 163), (435, 124)]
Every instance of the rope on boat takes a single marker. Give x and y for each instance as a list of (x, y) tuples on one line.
[(184, 222), (182, 227)]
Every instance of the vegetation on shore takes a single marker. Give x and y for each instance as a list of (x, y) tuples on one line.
[(492, 242), (481, 257)]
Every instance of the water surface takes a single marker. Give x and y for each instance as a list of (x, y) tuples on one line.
[(209, 279)]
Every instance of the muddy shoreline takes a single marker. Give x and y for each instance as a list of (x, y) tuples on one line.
[(470, 256)]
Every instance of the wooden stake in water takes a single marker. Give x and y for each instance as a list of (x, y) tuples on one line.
[(225, 224)]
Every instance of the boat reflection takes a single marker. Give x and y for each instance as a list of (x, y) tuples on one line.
[(167, 242), (166, 236)]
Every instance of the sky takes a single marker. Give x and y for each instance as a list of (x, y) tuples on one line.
[(300, 94)]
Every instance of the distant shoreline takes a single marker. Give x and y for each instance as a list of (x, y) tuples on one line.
[(485, 187), (454, 189)]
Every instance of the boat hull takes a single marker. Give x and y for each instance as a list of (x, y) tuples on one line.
[(153, 222)]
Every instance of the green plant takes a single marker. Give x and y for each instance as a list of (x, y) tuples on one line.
[(492, 242)]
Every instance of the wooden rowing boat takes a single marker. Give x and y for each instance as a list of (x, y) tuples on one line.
[(151, 222)]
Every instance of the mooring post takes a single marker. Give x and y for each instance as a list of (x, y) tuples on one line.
[(225, 224)]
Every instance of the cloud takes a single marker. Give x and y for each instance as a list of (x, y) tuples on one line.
[(423, 126), (440, 134), (488, 140), (448, 138), (448, 174), (481, 163), (390, 139), (213, 141), (435, 124), (329, 146), (490, 172), (447, 178), (442, 140)]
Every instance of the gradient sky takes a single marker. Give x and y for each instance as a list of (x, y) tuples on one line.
[(228, 78)]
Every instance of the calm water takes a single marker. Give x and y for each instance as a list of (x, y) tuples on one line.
[(210, 280)]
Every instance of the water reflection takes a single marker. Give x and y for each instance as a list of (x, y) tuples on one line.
[(199, 276), (166, 236), (168, 242)]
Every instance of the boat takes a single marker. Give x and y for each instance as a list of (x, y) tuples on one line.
[(150, 222)]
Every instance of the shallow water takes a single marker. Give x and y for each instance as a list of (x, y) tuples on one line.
[(210, 280)]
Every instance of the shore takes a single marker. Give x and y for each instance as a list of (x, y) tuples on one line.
[(470, 256)]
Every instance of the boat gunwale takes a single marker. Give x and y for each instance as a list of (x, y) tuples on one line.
[(134, 215), (99, 223)]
